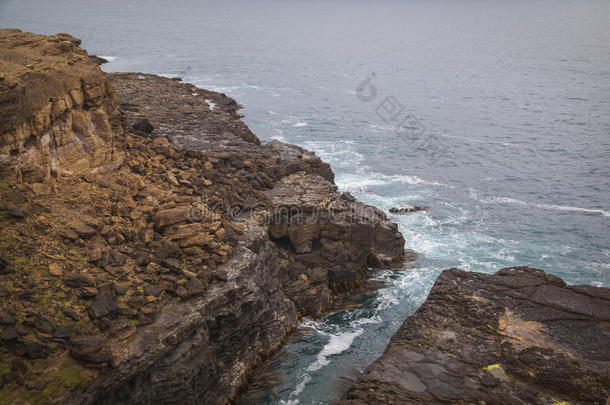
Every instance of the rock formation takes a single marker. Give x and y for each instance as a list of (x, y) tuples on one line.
[(157, 267), (519, 336), (58, 111), (408, 209)]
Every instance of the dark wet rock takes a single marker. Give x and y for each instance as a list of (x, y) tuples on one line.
[(519, 336), (93, 349), (98, 60), (142, 127), (408, 209), (102, 306), (348, 197)]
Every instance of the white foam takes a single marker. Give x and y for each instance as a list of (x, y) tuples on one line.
[(141, 77), (305, 378), (300, 124), (210, 103), (597, 284), (337, 344), (378, 179), (279, 135), (514, 201)]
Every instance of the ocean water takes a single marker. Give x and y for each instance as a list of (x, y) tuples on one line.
[(496, 114)]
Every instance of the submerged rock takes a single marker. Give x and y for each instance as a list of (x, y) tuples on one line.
[(408, 209), (520, 336)]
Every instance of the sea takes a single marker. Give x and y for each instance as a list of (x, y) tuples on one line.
[(494, 114)]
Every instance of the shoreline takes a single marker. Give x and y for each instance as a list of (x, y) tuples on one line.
[(165, 282), (153, 250)]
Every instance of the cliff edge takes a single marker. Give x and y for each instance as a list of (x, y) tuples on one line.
[(520, 336), (152, 250)]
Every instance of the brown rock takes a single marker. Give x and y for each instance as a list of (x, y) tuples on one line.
[(171, 216), (55, 269), (161, 141), (93, 349), (78, 280), (518, 336), (84, 231), (8, 335), (7, 318), (102, 306)]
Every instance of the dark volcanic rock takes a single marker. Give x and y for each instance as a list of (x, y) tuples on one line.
[(517, 337)]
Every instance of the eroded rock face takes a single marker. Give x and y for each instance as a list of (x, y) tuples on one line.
[(330, 241), (519, 336), (142, 265), (59, 115)]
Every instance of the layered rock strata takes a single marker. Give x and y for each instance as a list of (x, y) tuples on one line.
[(59, 114), (157, 268), (520, 336)]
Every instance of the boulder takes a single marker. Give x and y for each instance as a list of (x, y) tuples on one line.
[(171, 216), (92, 349), (7, 318), (78, 280), (102, 306)]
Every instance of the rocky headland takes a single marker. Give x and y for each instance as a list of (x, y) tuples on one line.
[(520, 336), (152, 250)]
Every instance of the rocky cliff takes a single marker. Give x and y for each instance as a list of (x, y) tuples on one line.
[(151, 249), (58, 111), (519, 336)]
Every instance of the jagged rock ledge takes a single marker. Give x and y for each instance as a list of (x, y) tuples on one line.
[(158, 268), (520, 336)]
